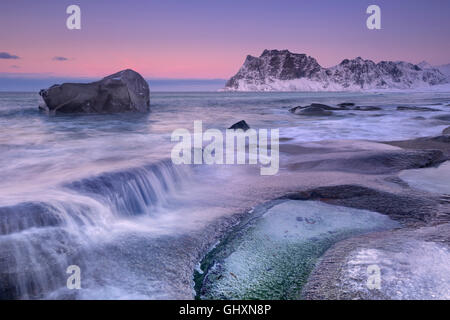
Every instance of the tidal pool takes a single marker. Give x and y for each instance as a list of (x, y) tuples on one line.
[(271, 255)]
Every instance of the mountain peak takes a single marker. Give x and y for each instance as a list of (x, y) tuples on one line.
[(275, 52), (282, 70)]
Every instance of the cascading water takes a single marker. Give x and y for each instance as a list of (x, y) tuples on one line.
[(40, 239)]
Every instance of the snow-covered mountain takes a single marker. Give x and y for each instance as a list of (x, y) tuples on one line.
[(282, 70), (445, 69)]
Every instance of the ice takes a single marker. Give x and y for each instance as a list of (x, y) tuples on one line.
[(271, 257), (414, 270)]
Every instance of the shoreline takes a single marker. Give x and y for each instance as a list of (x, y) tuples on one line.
[(417, 211)]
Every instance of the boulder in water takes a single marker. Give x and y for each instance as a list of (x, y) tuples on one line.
[(446, 131), (240, 125), (125, 91), (366, 108), (346, 104), (444, 117), (413, 108), (311, 111)]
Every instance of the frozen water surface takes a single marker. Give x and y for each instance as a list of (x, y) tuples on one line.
[(271, 256)]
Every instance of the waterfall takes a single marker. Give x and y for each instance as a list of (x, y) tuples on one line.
[(39, 239)]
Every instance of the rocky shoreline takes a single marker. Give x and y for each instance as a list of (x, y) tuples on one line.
[(341, 272)]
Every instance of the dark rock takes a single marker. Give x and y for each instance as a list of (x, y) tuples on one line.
[(366, 108), (445, 138), (296, 109), (411, 108), (240, 125), (375, 162), (403, 208), (446, 131), (125, 91), (311, 111), (346, 104), (444, 117), (323, 106)]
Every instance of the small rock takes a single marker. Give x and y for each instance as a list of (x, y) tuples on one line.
[(446, 131), (346, 104), (444, 117), (323, 106), (313, 111), (412, 108), (240, 125), (367, 108)]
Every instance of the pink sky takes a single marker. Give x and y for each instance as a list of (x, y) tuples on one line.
[(209, 39)]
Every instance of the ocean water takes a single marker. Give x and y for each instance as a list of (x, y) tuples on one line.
[(100, 191)]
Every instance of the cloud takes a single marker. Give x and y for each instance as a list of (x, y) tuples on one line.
[(60, 58), (6, 55), (15, 66)]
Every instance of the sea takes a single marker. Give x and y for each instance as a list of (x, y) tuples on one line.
[(101, 193)]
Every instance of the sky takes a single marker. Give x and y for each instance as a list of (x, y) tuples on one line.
[(209, 39)]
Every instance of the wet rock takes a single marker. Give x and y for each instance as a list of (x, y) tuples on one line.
[(346, 104), (446, 131), (444, 138), (240, 125), (444, 117), (125, 91), (412, 108), (408, 209), (366, 108), (311, 111), (375, 162), (323, 106)]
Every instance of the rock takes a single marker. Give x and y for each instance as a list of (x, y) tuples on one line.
[(125, 91), (240, 125), (444, 139), (444, 117), (446, 131), (312, 111), (296, 109), (323, 106), (410, 108), (367, 108), (375, 162), (346, 104)]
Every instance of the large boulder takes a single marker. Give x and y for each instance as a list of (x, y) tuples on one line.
[(124, 91)]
